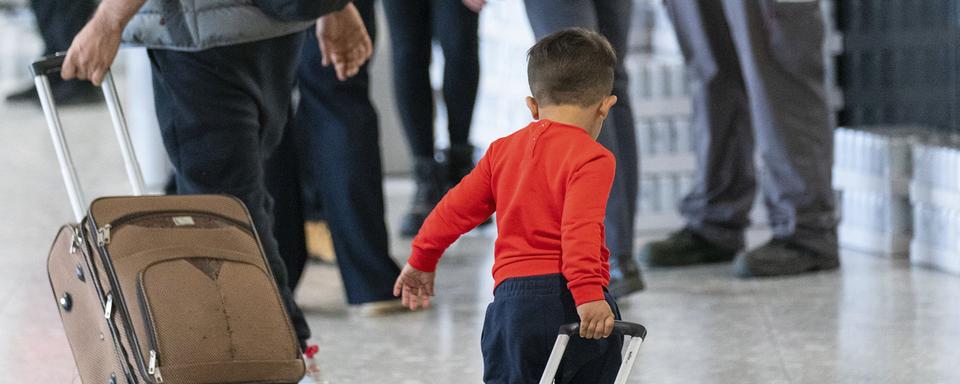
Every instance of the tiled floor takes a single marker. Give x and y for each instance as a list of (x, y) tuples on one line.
[(876, 321)]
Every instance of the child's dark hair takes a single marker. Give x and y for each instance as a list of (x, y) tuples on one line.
[(573, 66)]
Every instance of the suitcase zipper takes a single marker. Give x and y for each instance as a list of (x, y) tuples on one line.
[(153, 367), (139, 215), (101, 251)]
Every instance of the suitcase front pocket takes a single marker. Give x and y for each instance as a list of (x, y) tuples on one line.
[(207, 312)]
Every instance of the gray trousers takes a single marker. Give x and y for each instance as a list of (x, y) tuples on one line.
[(758, 70), (610, 18)]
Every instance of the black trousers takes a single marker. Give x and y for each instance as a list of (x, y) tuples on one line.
[(413, 26), (332, 155), (222, 112), (521, 326)]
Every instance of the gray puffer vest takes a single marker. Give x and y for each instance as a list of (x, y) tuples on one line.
[(194, 25)]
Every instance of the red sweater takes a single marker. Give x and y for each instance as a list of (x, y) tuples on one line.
[(548, 184)]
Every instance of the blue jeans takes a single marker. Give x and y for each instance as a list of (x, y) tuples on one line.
[(222, 112), (328, 166), (521, 326), (611, 18)]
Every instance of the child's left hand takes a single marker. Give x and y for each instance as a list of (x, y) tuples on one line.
[(415, 287)]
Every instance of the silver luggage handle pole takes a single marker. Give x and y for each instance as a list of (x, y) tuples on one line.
[(42, 68), (636, 332)]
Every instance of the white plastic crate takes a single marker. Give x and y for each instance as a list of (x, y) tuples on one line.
[(936, 242), (875, 223), (935, 193), (876, 159)]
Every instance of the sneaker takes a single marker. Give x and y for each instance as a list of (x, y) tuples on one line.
[(625, 278), (312, 375), (427, 174), (684, 247), (381, 308), (780, 257)]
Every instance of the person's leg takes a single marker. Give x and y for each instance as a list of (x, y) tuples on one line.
[(780, 47), (455, 27), (409, 22), (410, 38), (521, 326), (717, 208), (221, 113), (58, 21), (618, 135), (341, 139), (594, 361), (283, 182)]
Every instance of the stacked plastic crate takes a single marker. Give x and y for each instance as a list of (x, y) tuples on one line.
[(660, 98), (935, 193), (661, 107), (872, 171)]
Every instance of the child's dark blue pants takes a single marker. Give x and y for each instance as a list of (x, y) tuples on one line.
[(521, 327)]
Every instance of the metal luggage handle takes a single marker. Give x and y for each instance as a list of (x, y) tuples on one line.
[(48, 65), (636, 332), (625, 328)]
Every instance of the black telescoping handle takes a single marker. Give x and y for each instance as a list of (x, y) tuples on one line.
[(625, 328), (48, 64)]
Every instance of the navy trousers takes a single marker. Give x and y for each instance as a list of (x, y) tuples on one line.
[(521, 327), (330, 160), (222, 112)]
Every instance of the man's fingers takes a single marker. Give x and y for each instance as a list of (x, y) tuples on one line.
[(324, 52), (97, 76), (68, 70)]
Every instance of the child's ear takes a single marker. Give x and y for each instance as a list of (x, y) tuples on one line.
[(534, 108), (605, 106)]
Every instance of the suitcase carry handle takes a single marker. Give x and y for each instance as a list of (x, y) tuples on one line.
[(42, 69), (636, 332), (625, 328)]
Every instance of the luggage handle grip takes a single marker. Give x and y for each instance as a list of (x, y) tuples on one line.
[(41, 69), (48, 65), (625, 328)]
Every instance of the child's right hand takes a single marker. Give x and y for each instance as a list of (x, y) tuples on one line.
[(414, 287), (596, 319)]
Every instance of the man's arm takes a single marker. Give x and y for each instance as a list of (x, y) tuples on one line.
[(95, 47)]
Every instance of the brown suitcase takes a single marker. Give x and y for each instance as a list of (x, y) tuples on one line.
[(164, 289)]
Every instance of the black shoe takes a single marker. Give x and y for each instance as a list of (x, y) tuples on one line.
[(458, 163), (427, 174), (68, 93), (625, 277), (684, 247), (781, 257), (25, 95)]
